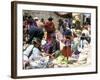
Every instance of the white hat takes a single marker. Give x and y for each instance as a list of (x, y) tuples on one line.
[(36, 18)]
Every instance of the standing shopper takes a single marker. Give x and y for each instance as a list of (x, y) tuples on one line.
[(50, 28), (66, 51)]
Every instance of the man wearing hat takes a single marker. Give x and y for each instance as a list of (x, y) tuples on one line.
[(33, 51)]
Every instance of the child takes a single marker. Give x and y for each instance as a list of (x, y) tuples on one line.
[(66, 51)]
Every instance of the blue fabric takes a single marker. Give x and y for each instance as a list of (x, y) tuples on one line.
[(35, 32), (67, 32)]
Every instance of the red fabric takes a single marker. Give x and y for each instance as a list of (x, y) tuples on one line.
[(48, 37), (49, 26), (66, 51)]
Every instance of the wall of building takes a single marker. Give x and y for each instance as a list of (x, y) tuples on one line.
[(43, 14)]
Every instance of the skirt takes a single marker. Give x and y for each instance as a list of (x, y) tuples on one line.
[(66, 51)]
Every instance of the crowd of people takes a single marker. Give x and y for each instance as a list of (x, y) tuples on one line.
[(46, 45)]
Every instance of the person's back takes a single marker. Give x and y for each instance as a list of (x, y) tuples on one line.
[(28, 50), (40, 24), (35, 54), (49, 26)]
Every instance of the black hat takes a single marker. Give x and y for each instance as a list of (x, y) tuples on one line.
[(36, 41), (50, 18)]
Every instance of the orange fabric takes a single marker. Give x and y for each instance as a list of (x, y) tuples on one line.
[(66, 51)]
